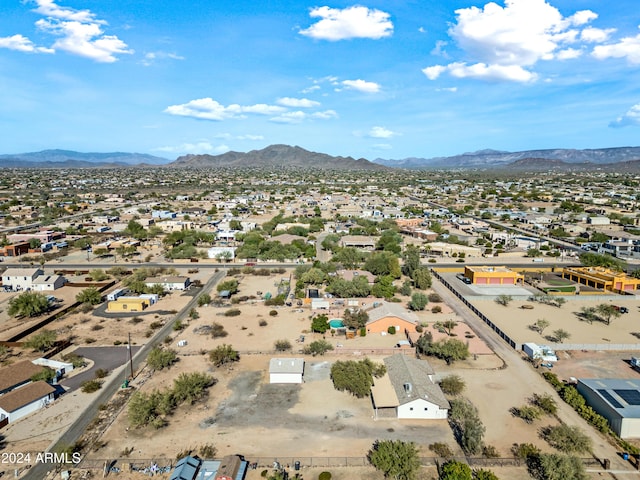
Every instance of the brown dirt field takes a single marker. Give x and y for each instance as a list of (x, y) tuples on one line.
[(515, 321)]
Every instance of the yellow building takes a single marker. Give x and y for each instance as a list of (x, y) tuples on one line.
[(601, 278), (493, 276), (128, 304)]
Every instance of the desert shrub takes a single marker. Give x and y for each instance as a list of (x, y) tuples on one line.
[(96, 327), (441, 449), (273, 313), (136, 320), (232, 312), (436, 309), (160, 358), (324, 476), (391, 330), (208, 450), (155, 325), (263, 323), (489, 451), (90, 386), (452, 385), (89, 340), (178, 326), (282, 345), (528, 413), (545, 402), (218, 331), (223, 354), (567, 439), (101, 373), (525, 450), (434, 298)]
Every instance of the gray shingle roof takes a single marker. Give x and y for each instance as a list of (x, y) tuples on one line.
[(403, 370)]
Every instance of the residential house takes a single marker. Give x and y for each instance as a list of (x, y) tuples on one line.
[(20, 278), (169, 283), (25, 400), (391, 315), (408, 391)]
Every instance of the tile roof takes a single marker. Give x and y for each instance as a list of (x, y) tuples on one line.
[(388, 309)]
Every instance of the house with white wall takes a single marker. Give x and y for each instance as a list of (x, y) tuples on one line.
[(408, 391), (286, 370)]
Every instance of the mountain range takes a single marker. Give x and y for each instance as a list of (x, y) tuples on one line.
[(274, 156)]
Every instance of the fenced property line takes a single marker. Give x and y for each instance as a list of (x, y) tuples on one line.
[(336, 351), (126, 464), (596, 346), (482, 316)]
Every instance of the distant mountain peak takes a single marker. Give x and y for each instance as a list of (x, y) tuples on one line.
[(277, 155)]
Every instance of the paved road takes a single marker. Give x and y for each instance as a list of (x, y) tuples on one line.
[(39, 470), (107, 358), (523, 370)]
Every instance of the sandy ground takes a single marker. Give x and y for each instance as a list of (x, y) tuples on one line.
[(515, 321), (244, 414)]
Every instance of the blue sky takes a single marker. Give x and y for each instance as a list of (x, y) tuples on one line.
[(392, 79)]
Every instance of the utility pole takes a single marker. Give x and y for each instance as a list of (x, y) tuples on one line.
[(130, 356)]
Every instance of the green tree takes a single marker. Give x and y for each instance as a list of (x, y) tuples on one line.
[(561, 335), (482, 474), (545, 402), (395, 458), (204, 299), (355, 318), (552, 466), (421, 278), (383, 287), (191, 387), (230, 285), (355, 377), (98, 275), (503, 300), (349, 257), (282, 345), (467, 426), (320, 323), (607, 311), (28, 304), (455, 470), (528, 413), (418, 301), (383, 263), (411, 260), (452, 385), (567, 439), (42, 341), (223, 354), (449, 350), (317, 347), (160, 358), (91, 296), (541, 324)]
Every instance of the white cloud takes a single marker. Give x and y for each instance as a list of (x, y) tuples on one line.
[(382, 146), (439, 49), (84, 39), (596, 35), (151, 58), (195, 148), (447, 89), (250, 137), (362, 86), (505, 43), (22, 44), (310, 89), (352, 22), (381, 132), (569, 54), (325, 115), (434, 71), (297, 102), (632, 117), (628, 47), (290, 117), (209, 109), (79, 32), (48, 8)]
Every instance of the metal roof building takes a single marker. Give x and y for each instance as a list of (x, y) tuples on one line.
[(616, 399)]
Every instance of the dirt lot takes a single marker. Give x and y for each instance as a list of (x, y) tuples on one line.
[(515, 321), (244, 414)]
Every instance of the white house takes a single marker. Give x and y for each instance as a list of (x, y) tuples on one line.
[(222, 253), (286, 370), (45, 282), (169, 283), (20, 278), (25, 400), (407, 390)]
